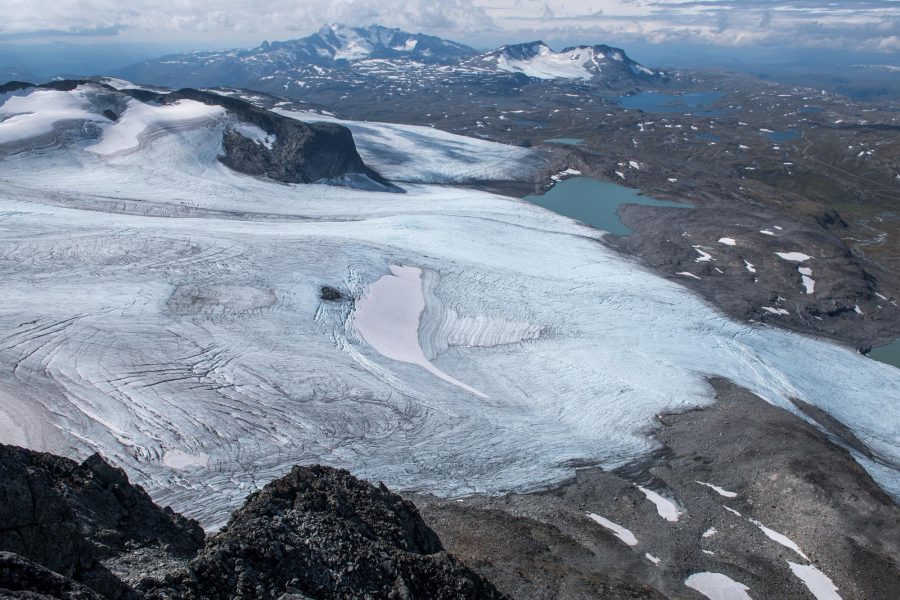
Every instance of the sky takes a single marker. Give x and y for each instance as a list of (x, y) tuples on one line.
[(733, 26)]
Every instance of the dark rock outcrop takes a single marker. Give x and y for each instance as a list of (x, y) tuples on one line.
[(82, 531), (322, 533), (21, 578), (83, 520), (301, 152)]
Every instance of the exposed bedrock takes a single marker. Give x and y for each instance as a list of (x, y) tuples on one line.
[(741, 489), (82, 531), (299, 153)]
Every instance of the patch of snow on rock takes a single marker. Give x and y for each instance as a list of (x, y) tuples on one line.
[(719, 490), (665, 507), (780, 538), (704, 256), (717, 586), (794, 256), (727, 241), (819, 584), (619, 531)]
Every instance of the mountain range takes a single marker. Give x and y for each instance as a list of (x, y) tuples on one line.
[(339, 54)]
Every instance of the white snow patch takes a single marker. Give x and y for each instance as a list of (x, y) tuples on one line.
[(620, 174), (619, 531), (731, 510), (808, 282), (548, 64), (719, 490), (651, 558), (687, 274), (766, 232), (710, 532), (775, 311), (780, 538), (717, 586), (387, 317), (665, 507), (28, 115), (794, 256), (727, 241), (123, 135), (819, 584), (634, 164), (858, 310), (749, 266), (704, 256), (256, 133)]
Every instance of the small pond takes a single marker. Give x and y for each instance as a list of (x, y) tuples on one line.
[(784, 136), (567, 141), (889, 354)]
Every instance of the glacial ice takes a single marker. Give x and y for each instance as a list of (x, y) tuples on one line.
[(157, 304)]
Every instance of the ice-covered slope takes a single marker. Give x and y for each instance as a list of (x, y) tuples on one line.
[(411, 153), (538, 60), (164, 310)]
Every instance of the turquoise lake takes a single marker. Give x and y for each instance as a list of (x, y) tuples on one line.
[(889, 354), (595, 203)]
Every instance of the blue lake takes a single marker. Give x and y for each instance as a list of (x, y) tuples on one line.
[(657, 102), (595, 203), (784, 136)]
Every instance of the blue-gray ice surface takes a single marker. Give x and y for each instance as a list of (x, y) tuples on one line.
[(166, 312)]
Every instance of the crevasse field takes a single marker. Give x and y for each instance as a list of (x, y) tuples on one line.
[(165, 311)]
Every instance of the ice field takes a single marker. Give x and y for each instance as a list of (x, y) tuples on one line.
[(166, 312)]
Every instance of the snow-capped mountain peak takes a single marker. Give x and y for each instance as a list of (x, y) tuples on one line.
[(538, 60)]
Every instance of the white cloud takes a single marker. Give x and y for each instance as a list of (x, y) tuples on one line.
[(862, 24), (304, 16)]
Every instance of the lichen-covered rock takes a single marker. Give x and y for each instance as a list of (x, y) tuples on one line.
[(322, 533)]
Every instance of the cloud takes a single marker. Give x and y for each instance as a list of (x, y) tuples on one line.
[(32, 16), (872, 25)]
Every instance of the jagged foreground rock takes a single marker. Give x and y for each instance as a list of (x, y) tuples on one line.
[(82, 531)]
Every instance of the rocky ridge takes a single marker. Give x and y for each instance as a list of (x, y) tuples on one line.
[(81, 531)]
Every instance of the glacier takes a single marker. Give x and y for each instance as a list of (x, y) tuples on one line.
[(167, 312)]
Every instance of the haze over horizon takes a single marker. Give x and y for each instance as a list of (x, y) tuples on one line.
[(855, 25)]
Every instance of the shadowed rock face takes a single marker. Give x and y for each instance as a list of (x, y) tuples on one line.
[(301, 152), (82, 531), (74, 518), (321, 532)]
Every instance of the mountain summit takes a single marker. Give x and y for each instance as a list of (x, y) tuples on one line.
[(339, 54), (538, 60)]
